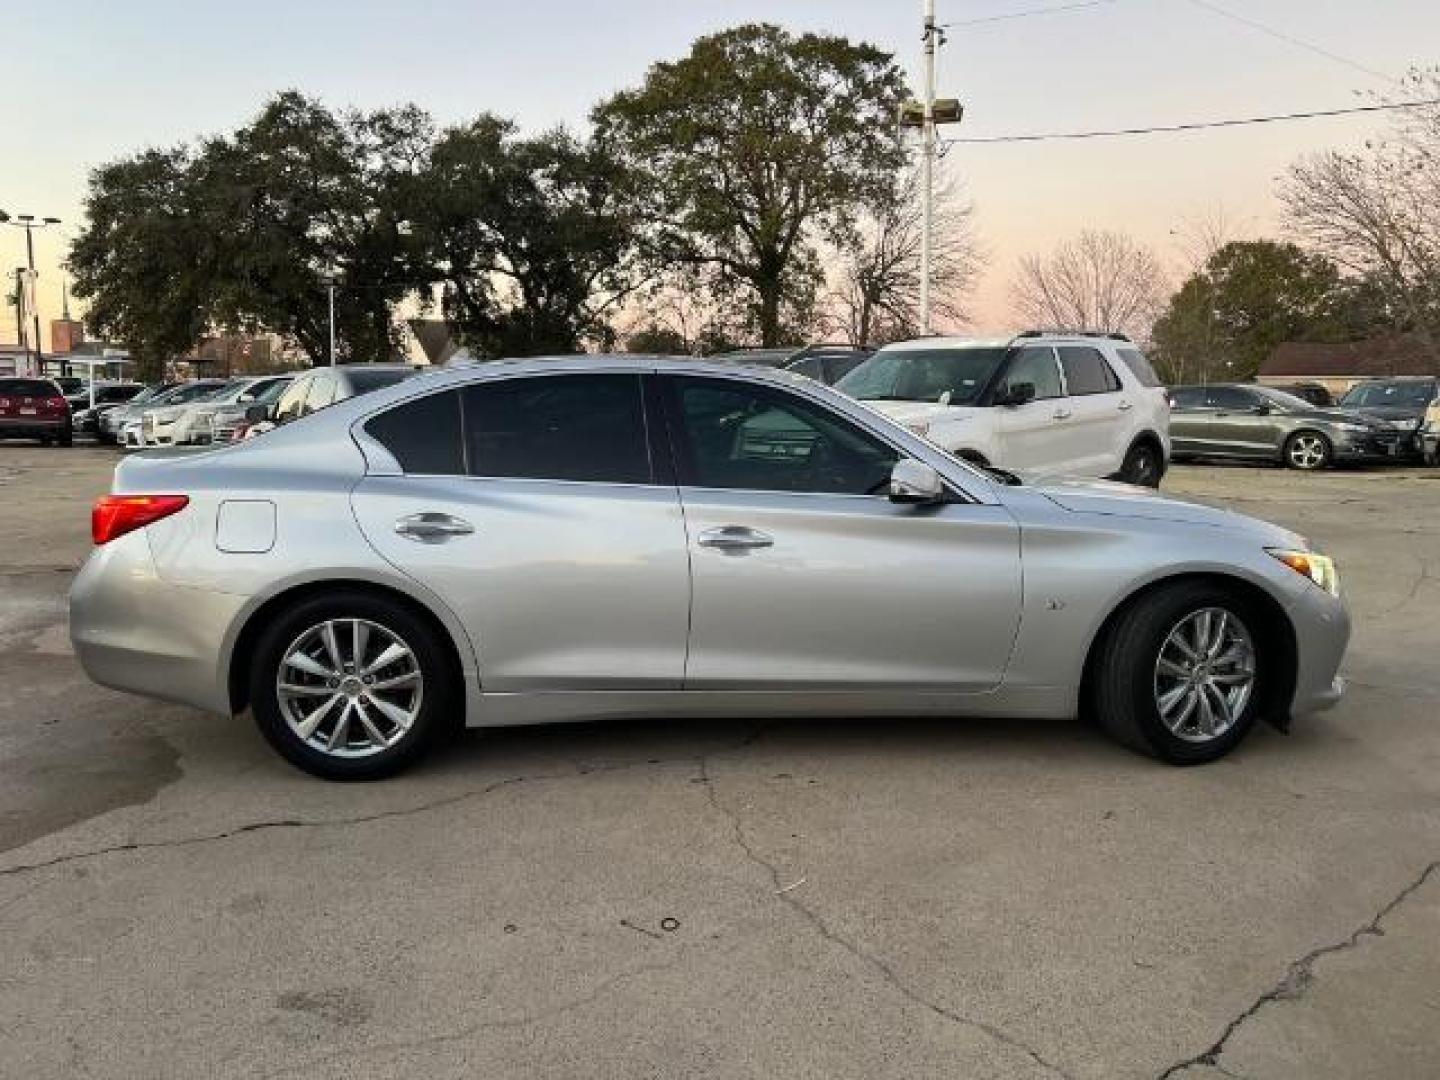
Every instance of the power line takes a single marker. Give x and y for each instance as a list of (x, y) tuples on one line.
[(1055, 10), (1245, 20), (1202, 125)]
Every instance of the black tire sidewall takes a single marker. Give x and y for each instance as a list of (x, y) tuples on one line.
[(430, 653), (1131, 465), (1126, 695)]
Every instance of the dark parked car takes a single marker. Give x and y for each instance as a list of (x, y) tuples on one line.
[(1231, 420), (107, 396), (823, 363), (1313, 392), (34, 409), (1398, 403)]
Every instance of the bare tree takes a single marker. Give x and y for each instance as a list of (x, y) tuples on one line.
[(1377, 213), (875, 289), (1099, 281)]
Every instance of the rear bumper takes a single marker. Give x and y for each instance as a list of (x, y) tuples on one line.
[(134, 632), (32, 427)]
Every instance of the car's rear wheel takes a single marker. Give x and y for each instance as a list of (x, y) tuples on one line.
[(1181, 674), (1144, 465), (67, 437), (351, 686), (1307, 451)]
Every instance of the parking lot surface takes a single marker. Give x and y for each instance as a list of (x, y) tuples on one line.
[(834, 899)]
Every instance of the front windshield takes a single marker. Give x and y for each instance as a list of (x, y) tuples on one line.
[(924, 375), (1285, 400), (1403, 395), (271, 392)]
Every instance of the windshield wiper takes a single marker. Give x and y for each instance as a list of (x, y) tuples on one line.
[(1005, 476)]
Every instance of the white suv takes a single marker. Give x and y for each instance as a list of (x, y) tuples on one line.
[(1048, 404)]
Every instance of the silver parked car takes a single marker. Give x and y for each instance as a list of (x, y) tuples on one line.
[(547, 540)]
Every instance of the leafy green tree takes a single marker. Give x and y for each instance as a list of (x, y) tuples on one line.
[(1249, 297), (535, 240), (756, 146), (656, 340), (143, 260)]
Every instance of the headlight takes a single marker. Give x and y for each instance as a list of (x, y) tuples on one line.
[(1403, 425), (1318, 568)]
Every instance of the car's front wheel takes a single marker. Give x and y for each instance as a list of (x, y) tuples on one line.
[(1181, 673), (1144, 465), (351, 686)]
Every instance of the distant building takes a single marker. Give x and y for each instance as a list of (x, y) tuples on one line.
[(1339, 366), (235, 354), (66, 334)]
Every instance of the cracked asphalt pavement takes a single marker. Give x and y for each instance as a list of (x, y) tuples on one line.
[(821, 899)]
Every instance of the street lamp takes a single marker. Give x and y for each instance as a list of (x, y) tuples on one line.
[(29, 222)]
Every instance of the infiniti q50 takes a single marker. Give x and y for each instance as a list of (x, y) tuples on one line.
[(558, 539)]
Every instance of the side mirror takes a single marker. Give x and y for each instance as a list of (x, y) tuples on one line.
[(915, 483), (1261, 410), (1015, 395)]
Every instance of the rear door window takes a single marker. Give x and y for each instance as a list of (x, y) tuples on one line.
[(1188, 397), (558, 427), (1087, 371)]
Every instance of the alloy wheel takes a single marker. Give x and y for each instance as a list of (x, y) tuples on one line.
[(1205, 675), (1307, 451), (349, 687)]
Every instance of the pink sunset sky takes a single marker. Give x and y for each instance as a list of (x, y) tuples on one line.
[(91, 81)]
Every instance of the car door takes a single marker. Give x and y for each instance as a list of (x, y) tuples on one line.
[(1189, 420), (1238, 426), (546, 527), (1036, 436), (1101, 424), (805, 576)]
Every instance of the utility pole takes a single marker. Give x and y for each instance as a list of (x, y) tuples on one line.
[(20, 337), (30, 223), (927, 166)]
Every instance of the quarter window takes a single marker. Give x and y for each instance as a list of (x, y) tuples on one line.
[(1139, 366), (1037, 367), (424, 436), (559, 427), (734, 435), (1086, 371)]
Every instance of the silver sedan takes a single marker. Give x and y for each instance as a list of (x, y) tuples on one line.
[(574, 538)]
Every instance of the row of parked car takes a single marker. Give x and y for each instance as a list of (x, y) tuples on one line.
[(1047, 404)]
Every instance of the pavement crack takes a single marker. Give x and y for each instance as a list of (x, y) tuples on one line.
[(817, 921), (1299, 975), (362, 819)]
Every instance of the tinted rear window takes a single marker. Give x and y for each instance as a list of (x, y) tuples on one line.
[(559, 427), (364, 381), (1188, 397), (29, 388), (423, 435), (1139, 366)]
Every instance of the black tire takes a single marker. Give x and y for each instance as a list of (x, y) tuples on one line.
[(1144, 465), (67, 437), (1307, 462), (439, 691), (1123, 687), (44, 440)]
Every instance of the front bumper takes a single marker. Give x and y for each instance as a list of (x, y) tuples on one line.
[(1322, 633), (1385, 446), (134, 632)]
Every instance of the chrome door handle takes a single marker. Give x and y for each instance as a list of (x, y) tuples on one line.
[(735, 538), (1125, 406), (432, 527)]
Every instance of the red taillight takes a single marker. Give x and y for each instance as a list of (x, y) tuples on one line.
[(115, 515), (57, 403)]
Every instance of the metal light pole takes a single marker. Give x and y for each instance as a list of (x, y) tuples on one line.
[(927, 167), (29, 223), (21, 338), (330, 288)]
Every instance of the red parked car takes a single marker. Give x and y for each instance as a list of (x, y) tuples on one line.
[(34, 409)]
